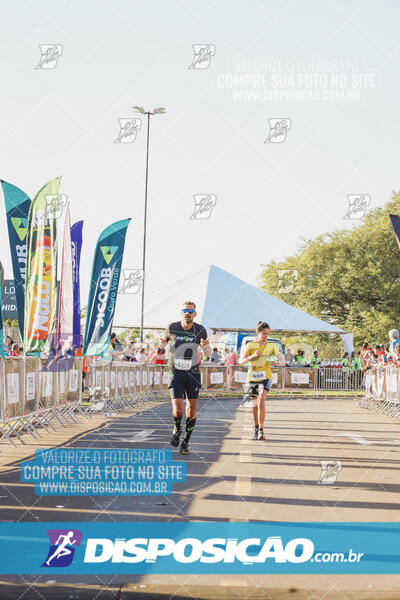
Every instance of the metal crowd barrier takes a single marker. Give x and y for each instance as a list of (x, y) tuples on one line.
[(38, 393), (382, 391)]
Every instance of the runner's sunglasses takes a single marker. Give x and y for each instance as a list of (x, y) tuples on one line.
[(188, 310)]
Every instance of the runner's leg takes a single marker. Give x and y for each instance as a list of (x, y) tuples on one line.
[(254, 398), (261, 414), (192, 389), (191, 409), (267, 384), (177, 392), (178, 408)]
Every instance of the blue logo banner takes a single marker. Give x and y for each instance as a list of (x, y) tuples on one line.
[(216, 548)]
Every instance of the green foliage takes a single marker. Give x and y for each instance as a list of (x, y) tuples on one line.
[(349, 278)]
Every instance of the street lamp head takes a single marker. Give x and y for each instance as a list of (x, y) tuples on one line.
[(158, 111), (139, 109)]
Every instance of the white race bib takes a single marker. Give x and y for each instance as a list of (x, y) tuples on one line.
[(183, 364), (258, 376)]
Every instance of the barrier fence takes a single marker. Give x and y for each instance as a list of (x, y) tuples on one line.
[(382, 392), (38, 393)]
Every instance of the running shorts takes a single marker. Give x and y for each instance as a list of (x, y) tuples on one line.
[(185, 384), (253, 389)]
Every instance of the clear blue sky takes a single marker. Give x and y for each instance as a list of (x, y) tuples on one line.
[(211, 140)]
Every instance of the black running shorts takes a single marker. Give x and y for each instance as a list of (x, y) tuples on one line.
[(185, 384)]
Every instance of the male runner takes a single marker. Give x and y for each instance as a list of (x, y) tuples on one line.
[(259, 354), (184, 338)]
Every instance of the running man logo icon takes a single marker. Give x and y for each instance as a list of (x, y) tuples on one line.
[(132, 281), (203, 54), (329, 471), (278, 129), (203, 205), (128, 129), (62, 547), (50, 53), (358, 204)]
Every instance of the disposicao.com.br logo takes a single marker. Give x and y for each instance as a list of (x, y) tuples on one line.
[(247, 551), (159, 547)]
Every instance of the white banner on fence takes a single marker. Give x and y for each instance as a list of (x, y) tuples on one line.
[(274, 378), (13, 388), (157, 378), (240, 376), (299, 377), (391, 382), (47, 384), (62, 382), (112, 380), (30, 386), (165, 377), (73, 380), (217, 377), (97, 382)]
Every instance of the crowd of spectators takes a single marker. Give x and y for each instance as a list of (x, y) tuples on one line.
[(362, 360), (155, 354)]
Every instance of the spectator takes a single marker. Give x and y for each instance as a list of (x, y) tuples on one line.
[(8, 343), (141, 356), (16, 350), (394, 339), (158, 357), (129, 353), (316, 361), (231, 358), (215, 356), (289, 358), (366, 349), (300, 358)]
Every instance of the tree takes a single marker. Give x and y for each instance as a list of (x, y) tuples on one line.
[(349, 278)]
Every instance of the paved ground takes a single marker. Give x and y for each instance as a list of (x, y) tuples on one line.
[(229, 477)]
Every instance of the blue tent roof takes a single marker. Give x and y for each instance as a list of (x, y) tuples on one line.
[(227, 302)]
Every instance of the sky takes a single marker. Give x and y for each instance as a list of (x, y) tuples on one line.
[(327, 72)]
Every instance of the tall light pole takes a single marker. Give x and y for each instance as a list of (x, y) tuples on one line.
[(149, 113)]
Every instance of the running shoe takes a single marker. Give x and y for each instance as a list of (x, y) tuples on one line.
[(255, 434), (174, 441), (184, 448), (261, 435)]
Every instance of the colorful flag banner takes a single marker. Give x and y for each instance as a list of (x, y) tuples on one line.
[(17, 209), (1, 312), (76, 241), (395, 219), (41, 269), (103, 289), (66, 295)]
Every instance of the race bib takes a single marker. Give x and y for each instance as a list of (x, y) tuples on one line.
[(183, 364), (258, 376)]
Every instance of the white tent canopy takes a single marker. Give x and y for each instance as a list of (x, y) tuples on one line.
[(223, 302)]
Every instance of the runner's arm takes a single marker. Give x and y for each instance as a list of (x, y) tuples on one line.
[(245, 358), (281, 359), (164, 339), (205, 344)]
